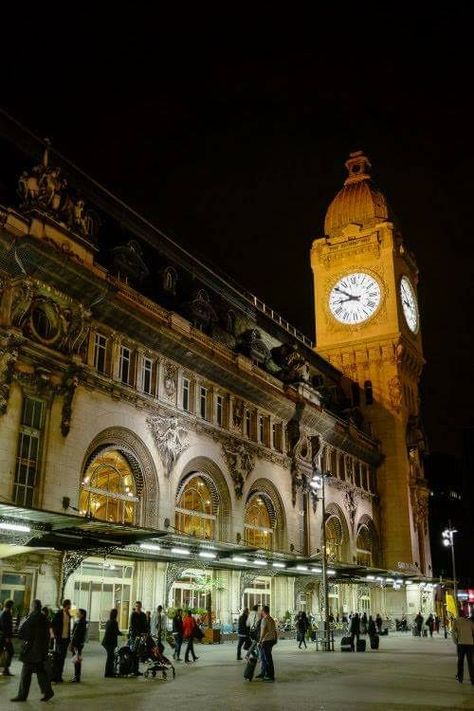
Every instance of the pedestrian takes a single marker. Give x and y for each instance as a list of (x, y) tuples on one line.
[(430, 623), (418, 624), (242, 631), (148, 620), (6, 634), (35, 635), (363, 624), (110, 641), (138, 626), (267, 640), (463, 636), (371, 628), (354, 630), (61, 625), (253, 623), (178, 634), (437, 622), (302, 625), (189, 631), (378, 622), (78, 640), (160, 625)]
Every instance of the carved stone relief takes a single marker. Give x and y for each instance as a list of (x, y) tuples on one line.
[(9, 348), (240, 461), (170, 378), (238, 413), (351, 505), (68, 388), (171, 439)]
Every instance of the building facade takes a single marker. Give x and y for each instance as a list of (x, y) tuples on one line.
[(160, 427)]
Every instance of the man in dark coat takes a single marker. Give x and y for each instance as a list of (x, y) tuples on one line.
[(35, 635), (61, 625), (178, 634), (355, 629), (242, 631), (6, 634), (138, 626)]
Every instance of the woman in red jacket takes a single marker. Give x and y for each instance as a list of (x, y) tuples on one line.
[(189, 630)]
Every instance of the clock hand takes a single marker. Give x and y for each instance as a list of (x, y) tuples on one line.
[(341, 291)]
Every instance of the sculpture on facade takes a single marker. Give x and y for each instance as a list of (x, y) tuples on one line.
[(170, 437), (240, 461), (238, 410), (169, 379), (45, 189), (69, 386), (294, 367), (351, 505), (9, 347)]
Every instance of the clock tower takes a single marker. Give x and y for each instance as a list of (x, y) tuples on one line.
[(368, 326)]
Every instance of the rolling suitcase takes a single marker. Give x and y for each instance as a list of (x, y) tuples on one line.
[(252, 658), (374, 641), (361, 644), (346, 644)]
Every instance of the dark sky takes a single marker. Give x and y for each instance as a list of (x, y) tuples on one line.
[(230, 132)]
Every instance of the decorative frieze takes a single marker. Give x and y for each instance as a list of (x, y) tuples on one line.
[(170, 437), (240, 460)]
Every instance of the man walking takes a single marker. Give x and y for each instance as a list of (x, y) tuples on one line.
[(61, 626), (6, 634), (463, 637), (355, 630), (268, 639), (178, 634), (160, 625), (35, 635)]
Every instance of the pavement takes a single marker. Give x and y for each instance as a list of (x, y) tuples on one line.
[(405, 673)]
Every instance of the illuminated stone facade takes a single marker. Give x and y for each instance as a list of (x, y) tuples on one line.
[(138, 387)]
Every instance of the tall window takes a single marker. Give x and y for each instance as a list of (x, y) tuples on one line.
[(108, 490), (261, 429), (125, 365), (186, 394), (100, 352), (220, 410), (258, 530), (364, 547), (334, 538), (147, 376), (203, 403), (27, 463), (195, 514)]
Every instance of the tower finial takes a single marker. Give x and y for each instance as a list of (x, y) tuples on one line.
[(358, 167)]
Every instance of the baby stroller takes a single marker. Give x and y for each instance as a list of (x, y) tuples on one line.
[(124, 661), (150, 652)]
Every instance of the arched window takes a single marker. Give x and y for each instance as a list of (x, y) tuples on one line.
[(258, 525), (334, 538), (365, 546), (170, 278), (195, 509), (108, 490)]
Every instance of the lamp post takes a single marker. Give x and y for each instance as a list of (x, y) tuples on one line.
[(448, 540), (318, 483)]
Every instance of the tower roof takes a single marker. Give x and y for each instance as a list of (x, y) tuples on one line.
[(359, 202)]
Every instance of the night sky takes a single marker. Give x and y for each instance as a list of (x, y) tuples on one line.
[(230, 132)]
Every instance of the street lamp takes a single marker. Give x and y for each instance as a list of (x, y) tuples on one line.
[(318, 483), (448, 540)]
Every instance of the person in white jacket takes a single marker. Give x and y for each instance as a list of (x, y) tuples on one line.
[(463, 637)]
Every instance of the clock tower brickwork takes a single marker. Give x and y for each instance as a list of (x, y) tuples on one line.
[(380, 352)]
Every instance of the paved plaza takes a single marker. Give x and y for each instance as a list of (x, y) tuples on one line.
[(405, 673)]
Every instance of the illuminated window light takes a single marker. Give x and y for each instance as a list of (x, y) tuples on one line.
[(331, 572), (316, 570), (181, 551), (259, 561), (207, 554), (14, 527), (278, 565), (150, 546), (302, 567), (370, 577)]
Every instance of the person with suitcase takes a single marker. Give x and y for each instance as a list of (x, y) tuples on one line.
[(252, 659), (354, 630)]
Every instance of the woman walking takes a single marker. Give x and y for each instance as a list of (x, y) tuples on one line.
[(243, 631), (110, 642), (189, 630), (78, 640), (302, 626)]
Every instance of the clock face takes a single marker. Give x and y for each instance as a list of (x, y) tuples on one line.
[(354, 298), (409, 305)]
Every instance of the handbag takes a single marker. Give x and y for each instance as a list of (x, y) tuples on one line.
[(198, 633)]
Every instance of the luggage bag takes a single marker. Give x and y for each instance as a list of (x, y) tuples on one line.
[(346, 644), (361, 645), (250, 668)]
